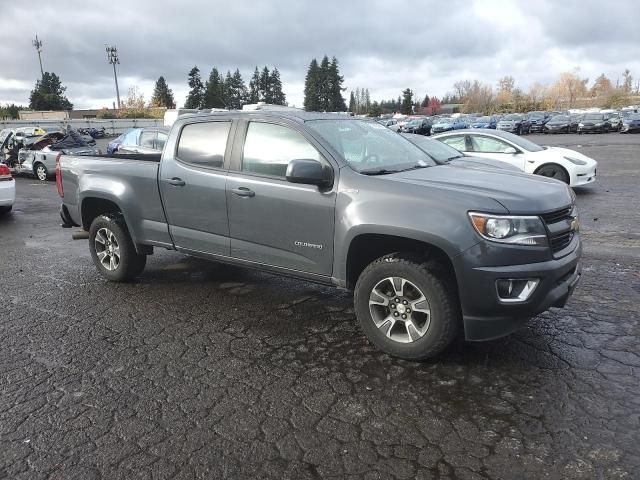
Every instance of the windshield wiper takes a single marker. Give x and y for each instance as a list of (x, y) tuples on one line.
[(380, 171), (415, 167), (453, 158)]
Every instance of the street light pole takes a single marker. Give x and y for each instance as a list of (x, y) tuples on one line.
[(112, 57), (37, 43)]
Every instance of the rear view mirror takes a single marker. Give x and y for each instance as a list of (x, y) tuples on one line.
[(309, 172), (510, 151)]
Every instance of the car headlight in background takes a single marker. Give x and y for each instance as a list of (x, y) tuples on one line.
[(581, 124), (575, 161), (516, 230)]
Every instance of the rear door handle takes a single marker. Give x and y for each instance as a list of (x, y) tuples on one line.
[(244, 192), (175, 181)]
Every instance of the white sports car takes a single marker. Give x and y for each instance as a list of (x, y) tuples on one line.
[(562, 164), (7, 189)]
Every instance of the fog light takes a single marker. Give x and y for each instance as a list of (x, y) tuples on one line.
[(516, 289)]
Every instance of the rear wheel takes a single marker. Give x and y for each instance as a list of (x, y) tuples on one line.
[(41, 172), (112, 249), (552, 170), (5, 209), (407, 308)]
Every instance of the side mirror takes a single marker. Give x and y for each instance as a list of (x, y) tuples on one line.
[(510, 151), (309, 172)]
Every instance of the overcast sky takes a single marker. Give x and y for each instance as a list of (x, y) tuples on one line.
[(385, 45)]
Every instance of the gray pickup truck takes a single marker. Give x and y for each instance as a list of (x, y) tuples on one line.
[(429, 249)]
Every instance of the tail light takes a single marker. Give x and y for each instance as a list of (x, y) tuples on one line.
[(5, 173), (59, 176)]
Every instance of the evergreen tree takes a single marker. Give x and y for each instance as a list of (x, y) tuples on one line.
[(367, 101), (226, 89), (214, 91), (375, 110), (425, 102), (324, 87), (407, 101), (237, 92), (264, 86), (48, 94), (352, 103), (312, 87), (195, 98), (358, 101), (277, 95), (254, 87), (162, 95)]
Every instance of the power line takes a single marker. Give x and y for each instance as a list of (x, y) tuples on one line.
[(112, 57)]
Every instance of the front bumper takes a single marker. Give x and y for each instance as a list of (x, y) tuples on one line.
[(7, 193), (630, 128), (536, 127), (590, 128), (512, 129), (486, 317)]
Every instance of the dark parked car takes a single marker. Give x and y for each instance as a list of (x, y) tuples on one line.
[(514, 123), (594, 122), (537, 121), (483, 122), (559, 124), (631, 123), (419, 126)]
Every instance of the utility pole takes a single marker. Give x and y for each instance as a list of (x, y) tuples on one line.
[(112, 57), (37, 43)]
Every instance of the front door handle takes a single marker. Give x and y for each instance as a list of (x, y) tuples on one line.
[(175, 181), (244, 192)]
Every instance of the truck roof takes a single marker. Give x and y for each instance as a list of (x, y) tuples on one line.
[(291, 114)]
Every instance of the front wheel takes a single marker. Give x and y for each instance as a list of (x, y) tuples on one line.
[(553, 171), (112, 249), (5, 209), (406, 307), (41, 172)]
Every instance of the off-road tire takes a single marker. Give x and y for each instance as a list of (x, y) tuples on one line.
[(131, 263), (436, 285)]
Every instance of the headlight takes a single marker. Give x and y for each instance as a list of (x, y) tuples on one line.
[(575, 161), (599, 124), (581, 124), (516, 230)]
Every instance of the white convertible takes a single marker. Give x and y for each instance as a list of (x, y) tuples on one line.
[(563, 164)]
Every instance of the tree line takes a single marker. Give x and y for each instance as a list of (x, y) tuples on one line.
[(231, 92), (324, 85)]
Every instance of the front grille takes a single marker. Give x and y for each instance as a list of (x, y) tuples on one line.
[(561, 241), (559, 226), (557, 215)]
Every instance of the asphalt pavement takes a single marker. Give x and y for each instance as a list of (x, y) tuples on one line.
[(200, 370)]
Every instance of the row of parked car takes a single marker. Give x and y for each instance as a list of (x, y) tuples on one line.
[(33, 150), (521, 124)]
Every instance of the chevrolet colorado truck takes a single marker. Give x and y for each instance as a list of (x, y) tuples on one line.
[(429, 249)]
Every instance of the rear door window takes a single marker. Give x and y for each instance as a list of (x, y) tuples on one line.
[(204, 144), (455, 141)]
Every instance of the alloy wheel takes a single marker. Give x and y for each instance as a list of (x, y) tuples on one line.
[(107, 249), (41, 172), (399, 309)]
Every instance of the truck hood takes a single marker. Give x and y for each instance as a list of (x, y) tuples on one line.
[(519, 193)]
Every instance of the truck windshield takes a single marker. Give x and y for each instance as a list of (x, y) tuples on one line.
[(370, 148)]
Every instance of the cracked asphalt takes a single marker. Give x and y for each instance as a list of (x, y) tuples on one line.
[(201, 370)]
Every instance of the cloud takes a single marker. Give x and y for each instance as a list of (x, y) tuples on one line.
[(383, 45)]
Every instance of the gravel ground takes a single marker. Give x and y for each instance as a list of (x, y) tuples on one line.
[(201, 370)]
